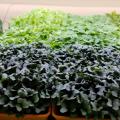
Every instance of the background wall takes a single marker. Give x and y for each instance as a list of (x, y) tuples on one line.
[(86, 3)]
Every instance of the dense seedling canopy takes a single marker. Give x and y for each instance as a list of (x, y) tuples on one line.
[(84, 75), (87, 81), (58, 29), (82, 78), (24, 72)]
